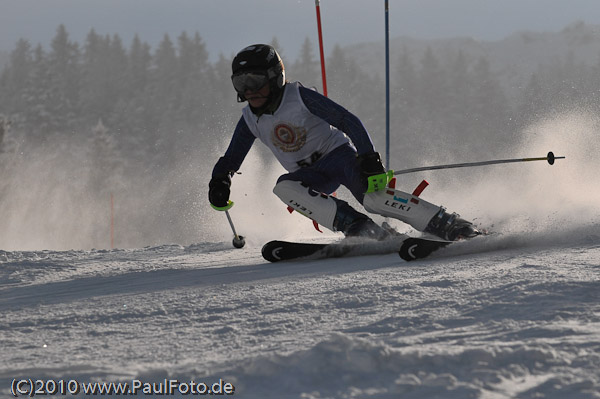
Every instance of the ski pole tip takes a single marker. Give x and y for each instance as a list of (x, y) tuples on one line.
[(551, 158), (239, 241)]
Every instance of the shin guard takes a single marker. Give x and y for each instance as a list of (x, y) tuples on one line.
[(317, 206), (399, 205)]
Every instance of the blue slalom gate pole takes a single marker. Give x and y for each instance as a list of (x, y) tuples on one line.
[(387, 86)]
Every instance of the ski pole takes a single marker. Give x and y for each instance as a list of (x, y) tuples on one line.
[(238, 241), (550, 158)]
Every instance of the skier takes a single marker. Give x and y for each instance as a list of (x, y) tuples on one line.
[(322, 146)]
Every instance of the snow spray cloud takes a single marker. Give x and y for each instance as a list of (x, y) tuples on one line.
[(57, 196), (45, 200), (570, 189), (536, 198)]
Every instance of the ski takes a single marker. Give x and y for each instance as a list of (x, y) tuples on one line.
[(409, 248)]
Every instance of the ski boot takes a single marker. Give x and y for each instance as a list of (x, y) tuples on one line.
[(449, 226), (355, 224)]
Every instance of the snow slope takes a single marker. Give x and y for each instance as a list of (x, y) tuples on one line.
[(512, 315), (475, 320)]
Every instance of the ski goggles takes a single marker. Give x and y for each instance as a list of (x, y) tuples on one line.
[(252, 81)]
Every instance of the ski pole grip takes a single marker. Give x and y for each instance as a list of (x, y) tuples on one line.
[(379, 182), (223, 208)]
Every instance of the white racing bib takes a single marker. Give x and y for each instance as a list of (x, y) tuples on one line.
[(296, 137)]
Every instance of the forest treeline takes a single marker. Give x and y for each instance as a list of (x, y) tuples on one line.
[(152, 100)]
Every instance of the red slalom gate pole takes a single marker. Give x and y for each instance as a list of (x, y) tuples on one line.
[(321, 47)]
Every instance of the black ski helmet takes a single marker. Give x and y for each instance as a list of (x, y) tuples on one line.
[(260, 58)]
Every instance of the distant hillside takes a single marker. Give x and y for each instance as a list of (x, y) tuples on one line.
[(513, 59)]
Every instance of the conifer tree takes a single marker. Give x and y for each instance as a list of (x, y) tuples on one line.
[(195, 83), (94, 92), (36, 117), (14, 79), (164, 79), (306, 68), (63, 96)]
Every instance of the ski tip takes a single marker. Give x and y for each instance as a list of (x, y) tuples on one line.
[(414, 248), (277, 251), (271, 251)]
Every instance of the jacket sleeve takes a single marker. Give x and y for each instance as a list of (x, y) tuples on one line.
[(339, 117), (240, 144)]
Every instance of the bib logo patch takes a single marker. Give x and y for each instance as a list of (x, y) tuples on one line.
[(289, 138)]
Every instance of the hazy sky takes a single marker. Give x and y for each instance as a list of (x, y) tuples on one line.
[(226, 26)]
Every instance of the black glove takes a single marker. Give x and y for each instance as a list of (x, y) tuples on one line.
[(370, 164), (218, 190)]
